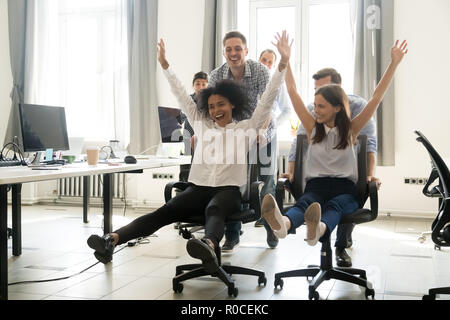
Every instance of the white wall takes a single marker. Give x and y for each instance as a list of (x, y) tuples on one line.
[(5, 70), (182, 31), (422, 83)]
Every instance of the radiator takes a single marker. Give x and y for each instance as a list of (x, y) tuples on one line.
[(73, 187)]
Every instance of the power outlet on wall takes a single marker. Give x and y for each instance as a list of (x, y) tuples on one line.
[(419, 181), (162, 176)]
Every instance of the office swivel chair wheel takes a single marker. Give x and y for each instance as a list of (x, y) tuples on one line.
[(313, 295), (186, 233), (370, 293), (279, 283), (262, 280), (233, 291), (178, 288)]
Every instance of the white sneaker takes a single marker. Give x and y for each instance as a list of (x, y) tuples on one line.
[(312, 220), (270, 212)]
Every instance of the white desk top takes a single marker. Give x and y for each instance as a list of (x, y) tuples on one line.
[(13, 175)]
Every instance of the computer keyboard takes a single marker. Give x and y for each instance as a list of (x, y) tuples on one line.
[(10, 162)]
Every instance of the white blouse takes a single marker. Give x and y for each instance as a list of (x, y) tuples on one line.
[(323, 160), (220, 157)]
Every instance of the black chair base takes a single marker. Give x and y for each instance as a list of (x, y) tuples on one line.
[(433, 292), (326, 272), (190, 271)]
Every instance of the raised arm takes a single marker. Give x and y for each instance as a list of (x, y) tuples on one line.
[(187, 104), (162, 55), (305, 116), (397, 54), (265, 104)]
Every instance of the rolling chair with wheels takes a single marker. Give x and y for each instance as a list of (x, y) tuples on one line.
[(435, 192), (441, 225), (326, 271), (250, 212)]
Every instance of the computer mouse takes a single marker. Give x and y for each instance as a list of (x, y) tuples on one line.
[(130, 159)]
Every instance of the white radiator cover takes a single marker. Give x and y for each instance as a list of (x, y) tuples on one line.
[(73, 187)]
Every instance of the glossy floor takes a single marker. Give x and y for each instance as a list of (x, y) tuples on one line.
[(54, 246)]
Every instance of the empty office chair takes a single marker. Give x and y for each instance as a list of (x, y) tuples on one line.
[(250, 212), (435, 192), (440, 227), (326, 271)]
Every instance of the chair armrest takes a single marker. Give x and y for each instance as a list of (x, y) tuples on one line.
[(169, 187), (373, 196), (282, 185), (255, 198)]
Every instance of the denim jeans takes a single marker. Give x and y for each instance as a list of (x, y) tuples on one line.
[(267, 170), (335, 196)]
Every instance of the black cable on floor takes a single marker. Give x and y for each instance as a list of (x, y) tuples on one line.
[(138, 241)]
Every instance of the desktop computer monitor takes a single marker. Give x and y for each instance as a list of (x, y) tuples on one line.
[(43, 127), (169, 125)]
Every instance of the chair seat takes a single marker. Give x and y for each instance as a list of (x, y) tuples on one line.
[(359, 216)]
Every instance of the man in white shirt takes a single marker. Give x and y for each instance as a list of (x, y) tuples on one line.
[(282, 109)]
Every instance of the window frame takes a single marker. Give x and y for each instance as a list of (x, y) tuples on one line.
[(100, 15), (301, 60)]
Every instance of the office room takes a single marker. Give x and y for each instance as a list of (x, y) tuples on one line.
[(103, 64)]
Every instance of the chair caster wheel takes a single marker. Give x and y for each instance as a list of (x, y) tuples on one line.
[(233, 291), (178, 288), (186, 234), (370, 293), (429, 297), (314, 295), (262, 280), (279, 283)]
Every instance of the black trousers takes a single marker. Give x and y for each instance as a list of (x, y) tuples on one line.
[(215, 202)]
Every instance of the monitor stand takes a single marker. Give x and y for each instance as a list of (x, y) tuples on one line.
[(37, 159)]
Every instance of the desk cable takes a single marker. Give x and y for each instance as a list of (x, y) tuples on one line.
[(15, 147), (131, 243)]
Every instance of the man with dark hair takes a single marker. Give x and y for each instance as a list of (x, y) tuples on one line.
[(357, 104), (254, 76), (335, 77)]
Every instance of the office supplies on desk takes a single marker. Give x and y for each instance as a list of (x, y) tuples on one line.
[(10, 163), (47, 167)]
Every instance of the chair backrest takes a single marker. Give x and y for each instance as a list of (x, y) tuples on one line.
[(438, 163), (299, 174)]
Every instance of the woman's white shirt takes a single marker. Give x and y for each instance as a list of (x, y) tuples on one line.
[(220, 156)]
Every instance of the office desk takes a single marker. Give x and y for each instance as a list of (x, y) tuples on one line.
[(16, 176)]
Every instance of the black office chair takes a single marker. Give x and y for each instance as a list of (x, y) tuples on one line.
[(326, 271), (440, 227), (250, 212)]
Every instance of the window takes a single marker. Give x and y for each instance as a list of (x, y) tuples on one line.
[(321, 30), (88, 72)]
